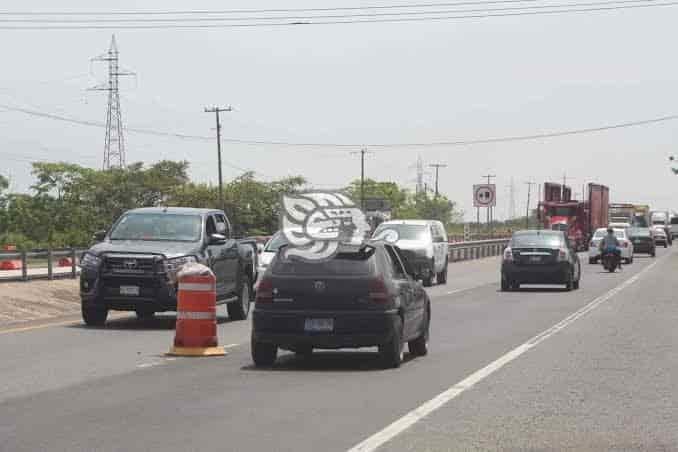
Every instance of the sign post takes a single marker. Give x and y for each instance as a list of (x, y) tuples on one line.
[(484, 195)]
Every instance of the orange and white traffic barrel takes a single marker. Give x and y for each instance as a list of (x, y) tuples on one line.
[(196, 327)]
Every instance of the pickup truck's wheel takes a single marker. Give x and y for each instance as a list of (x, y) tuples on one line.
[(263, 354), (428, 279), (239, 310), (94, 316), (441, 277), (391, 353)]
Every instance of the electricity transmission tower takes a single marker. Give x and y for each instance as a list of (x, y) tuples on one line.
[(114, 144), (420, 176)]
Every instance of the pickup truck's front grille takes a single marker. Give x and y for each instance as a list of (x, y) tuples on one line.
[(131, 265)]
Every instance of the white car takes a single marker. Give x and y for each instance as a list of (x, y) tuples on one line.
[(625, 245), (268, 251)]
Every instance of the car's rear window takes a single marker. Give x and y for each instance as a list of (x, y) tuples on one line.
[(538, 240), (343, 264), (640, 232)]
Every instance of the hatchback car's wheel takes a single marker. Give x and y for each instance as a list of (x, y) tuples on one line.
[(569, 283), (239, 310), (419, 346), (427, 281), (592, 260), (391, 353), (505, 285), (94, 316), (514, 285), (264, 354)]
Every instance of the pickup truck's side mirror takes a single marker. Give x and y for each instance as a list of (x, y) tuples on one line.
[(217, 239), (99, 236)]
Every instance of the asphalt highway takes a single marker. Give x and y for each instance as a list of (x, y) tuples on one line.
[(538, 369)]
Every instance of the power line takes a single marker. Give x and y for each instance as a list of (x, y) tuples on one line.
[(249, 11), (451, 143), (335, 16), (331, 22)]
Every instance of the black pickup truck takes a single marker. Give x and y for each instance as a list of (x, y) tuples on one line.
[(134, 265)]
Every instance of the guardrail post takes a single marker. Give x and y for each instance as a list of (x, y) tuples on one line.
[(73, 266), (50, 276), (24, 266)]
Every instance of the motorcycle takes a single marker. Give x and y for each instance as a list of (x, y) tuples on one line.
[(610, 261)]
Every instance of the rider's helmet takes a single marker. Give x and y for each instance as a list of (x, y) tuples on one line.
[(610, 231)]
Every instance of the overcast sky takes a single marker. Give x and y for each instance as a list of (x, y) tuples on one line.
[(362, 83)]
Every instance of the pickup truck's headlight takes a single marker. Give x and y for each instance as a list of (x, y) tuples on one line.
[(173, 265), (90, 260)]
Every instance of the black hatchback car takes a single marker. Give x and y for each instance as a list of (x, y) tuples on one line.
[(540, 257), (363, 297)]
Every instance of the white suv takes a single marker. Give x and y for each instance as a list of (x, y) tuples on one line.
[(423, 242)]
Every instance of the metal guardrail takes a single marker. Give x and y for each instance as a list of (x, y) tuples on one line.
[(462, 251), (30, 272), (458, 251)]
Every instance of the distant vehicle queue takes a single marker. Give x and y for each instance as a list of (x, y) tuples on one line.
[(364, 295)]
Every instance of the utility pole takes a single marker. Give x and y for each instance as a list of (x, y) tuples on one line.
[(216, 111), (114, 142), (489, 208), (527, 216), (437, 166), (362, 153), (512, 200), (562, 190)]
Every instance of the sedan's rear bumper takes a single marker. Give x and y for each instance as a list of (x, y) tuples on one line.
[(556, 273), (351, 329)]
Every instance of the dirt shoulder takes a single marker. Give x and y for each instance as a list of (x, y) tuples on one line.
[(38, 300)]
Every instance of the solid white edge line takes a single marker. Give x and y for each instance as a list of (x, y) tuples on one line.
[(400, 425)]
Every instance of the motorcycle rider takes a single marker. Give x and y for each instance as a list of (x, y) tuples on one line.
[(610, 244)]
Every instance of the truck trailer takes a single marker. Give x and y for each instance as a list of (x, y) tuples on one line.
[(578, 219)]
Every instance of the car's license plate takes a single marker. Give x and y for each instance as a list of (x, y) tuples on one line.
[(129, 290), (319, 325), (535, 259)]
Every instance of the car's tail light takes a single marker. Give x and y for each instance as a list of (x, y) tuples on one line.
[(378, 290), (625, 244), (562, 254), (264, 291), (508, 255)]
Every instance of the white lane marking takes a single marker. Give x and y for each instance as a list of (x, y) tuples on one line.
[(231, 345), (382, 437)]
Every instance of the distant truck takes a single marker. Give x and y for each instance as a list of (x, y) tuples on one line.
[(622, 214), (578, 219), (630, 215), (134, 266)]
